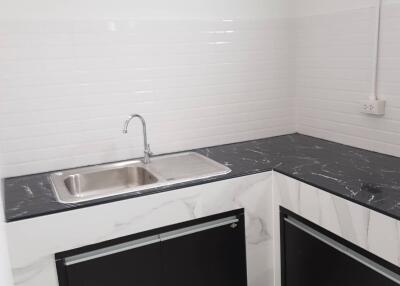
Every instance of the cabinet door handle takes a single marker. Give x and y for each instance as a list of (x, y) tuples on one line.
[(345, 250), (198, 228), (148, 240), (111, 250)]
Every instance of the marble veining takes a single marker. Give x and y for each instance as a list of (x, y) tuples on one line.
[(370, 230), (367, 178), (35, 266)]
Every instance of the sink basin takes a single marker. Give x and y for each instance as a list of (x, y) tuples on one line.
[(89, 183), (112, 180)]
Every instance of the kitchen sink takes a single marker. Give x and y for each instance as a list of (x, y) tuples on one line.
[(112, 180), (89, 183)]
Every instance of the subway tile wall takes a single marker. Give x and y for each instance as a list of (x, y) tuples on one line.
[(67, 82), (333, 74), (67, 85)]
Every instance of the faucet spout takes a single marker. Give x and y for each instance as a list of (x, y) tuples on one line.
[(147, 151)]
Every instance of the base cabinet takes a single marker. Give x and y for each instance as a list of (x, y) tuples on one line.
[(206, 252), (215, 257), (138, 266), (313, 257)]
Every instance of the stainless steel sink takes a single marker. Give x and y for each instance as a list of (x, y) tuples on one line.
[(95, 182), (113, 180)]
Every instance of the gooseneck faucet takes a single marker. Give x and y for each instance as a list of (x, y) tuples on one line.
[(147, 151)]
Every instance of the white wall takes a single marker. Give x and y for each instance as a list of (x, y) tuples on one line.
[(5, 268), (201, 72), (333, 47), (314, 7), (160, 9)]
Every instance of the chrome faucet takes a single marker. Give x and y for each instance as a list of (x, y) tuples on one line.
[(147, 151)]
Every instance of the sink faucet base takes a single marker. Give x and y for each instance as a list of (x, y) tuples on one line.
[(147, 151)]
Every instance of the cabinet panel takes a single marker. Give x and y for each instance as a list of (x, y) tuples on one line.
[(204, 252), (315, 259), (214, 257), (139, 266)]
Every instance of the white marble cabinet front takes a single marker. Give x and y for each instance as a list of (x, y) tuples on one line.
[(34, 242), (368, 229)]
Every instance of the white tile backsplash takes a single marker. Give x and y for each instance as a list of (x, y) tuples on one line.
[(333, 74), (154, 9), (316, 7), (67, 86), (200, 74)]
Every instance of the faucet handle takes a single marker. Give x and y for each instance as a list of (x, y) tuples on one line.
[(147, 154), (148, 151)]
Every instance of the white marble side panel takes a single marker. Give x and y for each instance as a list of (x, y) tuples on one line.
[(5, 270), (33, 242), (366, 228)]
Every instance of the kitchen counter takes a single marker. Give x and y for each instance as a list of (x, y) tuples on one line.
[(364, 177)]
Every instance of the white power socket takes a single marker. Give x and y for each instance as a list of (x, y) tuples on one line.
[(373, 106)]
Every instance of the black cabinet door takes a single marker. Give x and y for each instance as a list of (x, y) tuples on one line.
[(206, 252), (212, 257), (308, 261), (139, 266)]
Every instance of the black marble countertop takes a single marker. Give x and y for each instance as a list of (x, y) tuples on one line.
[(367, 178)]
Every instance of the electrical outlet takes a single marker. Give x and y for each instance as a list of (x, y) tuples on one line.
[(373, 106)]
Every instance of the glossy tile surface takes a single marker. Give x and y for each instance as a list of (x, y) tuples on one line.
[(198, 80)]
